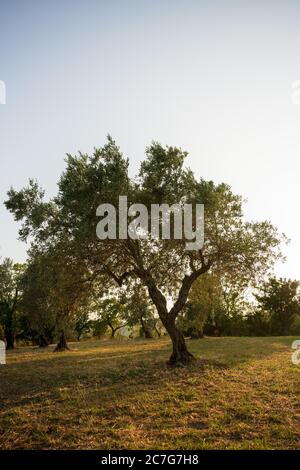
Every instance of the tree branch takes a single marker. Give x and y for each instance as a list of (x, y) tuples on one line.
[(185, 289)]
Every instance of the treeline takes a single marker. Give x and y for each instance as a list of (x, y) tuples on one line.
[(215, 307), (219, 308), (32, 297)]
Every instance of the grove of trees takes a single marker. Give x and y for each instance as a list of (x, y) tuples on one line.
[(73, 281)]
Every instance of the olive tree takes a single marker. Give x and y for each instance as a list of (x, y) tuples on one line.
[(163, 266)]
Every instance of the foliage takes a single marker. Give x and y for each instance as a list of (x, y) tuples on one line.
[(217, 307), (10, 297), (110, 312), (82, 323), (54, 291), (140, 311), (281, 300)]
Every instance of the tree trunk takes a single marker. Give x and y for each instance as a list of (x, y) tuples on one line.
[(9, 338), (62, 343), (79, 334), (146, 330), (157, 331), (197, 334), (113, 330), (180, 352), (42, 342)]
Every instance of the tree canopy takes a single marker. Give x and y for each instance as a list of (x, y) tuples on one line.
[(280, 300)]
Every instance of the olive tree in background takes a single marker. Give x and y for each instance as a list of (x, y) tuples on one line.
[(10, 298)]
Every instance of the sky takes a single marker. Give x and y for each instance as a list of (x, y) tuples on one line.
[(212, 77)]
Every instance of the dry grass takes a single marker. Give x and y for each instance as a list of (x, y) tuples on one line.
[(243, 393)]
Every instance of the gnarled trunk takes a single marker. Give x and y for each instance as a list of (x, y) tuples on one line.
[(113, 330), (62, 343), (180, 352), (9, 338)]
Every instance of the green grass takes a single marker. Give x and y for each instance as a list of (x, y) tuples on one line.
[(242, 393)]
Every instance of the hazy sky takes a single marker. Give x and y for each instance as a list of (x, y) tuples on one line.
[(213, 77)]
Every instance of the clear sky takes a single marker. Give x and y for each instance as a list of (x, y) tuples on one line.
[(214, 77)]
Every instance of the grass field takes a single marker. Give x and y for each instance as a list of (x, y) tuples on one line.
[(242, 393)]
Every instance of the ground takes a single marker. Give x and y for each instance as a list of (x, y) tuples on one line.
[(242, 393)]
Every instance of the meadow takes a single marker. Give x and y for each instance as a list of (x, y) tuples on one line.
[(241, 393)]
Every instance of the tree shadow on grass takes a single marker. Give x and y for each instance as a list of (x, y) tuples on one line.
[(35, 380)]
